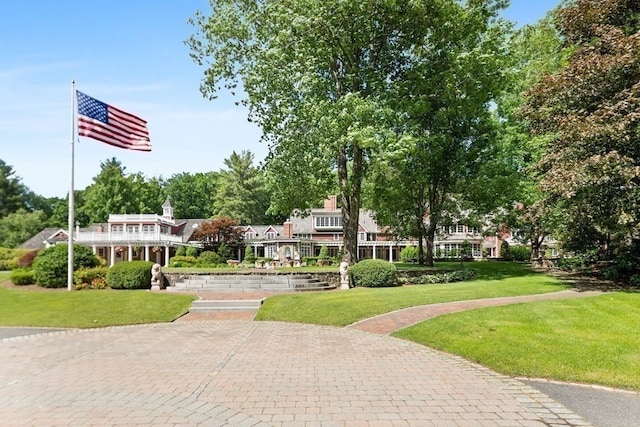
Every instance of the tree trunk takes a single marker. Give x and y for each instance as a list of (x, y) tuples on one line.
[(421, 235), (536, 243), (350, 192), (430, 237)]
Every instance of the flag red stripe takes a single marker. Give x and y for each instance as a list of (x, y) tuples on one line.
[(111, 135), (89, 125), (111, 125)]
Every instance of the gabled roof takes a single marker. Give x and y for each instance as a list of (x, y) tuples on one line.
[(48, 235)]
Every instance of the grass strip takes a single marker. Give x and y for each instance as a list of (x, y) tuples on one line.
[(588, 340), (341, 308), (89, 309)]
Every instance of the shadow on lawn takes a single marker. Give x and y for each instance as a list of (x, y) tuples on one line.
[(495, 270)]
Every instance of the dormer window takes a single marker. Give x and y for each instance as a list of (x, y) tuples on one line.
[(271, 235), (328, 222)]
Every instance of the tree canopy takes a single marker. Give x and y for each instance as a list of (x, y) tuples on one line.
[(320, 76), (589, 109), (12, 192), (242, 193)]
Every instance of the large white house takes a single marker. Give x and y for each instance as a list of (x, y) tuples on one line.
[(152, 237)]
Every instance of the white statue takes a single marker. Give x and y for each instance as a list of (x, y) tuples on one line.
[(344, 275), (156, 278)]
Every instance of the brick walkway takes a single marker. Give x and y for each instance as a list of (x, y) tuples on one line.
[(393, 321), (244, 373)]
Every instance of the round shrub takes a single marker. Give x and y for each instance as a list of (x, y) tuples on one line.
[(50, 265), (130, 275), (208, 259), (409, 254), (373, 273), (183, 261), (191, 251), (22, 277), (520, 253)]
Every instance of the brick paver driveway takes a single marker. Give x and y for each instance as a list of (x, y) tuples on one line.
[(244, 373)]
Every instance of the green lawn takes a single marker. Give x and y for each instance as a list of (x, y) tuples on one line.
[(342, 308), (88, 309), (591, 340)]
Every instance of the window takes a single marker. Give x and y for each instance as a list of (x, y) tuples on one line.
[(248, 235), (270, 250), (460, 228), (328, 222), (362, 237), (133, 228), (148, 228), (303, 236), (117, 228), (337, 236), (474, 230), (305, 250), (476, 251), (271, 235)]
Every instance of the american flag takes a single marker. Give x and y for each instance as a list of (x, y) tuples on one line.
[(111, 125)]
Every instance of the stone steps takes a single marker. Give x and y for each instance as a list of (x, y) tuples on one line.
[(249, 283), (214, 306)]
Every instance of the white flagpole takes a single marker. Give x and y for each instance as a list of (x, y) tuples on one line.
[(71, 201)]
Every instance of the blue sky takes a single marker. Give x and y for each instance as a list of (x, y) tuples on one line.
[(131, 54)]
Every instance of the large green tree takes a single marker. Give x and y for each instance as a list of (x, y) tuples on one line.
[(444, 156), (17, 227), (12, 191), (590, 109), (192, 195), (110, 193), (242, 192), (317, 74), (535, 51)]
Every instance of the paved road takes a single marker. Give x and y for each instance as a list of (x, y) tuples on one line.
[(601, 407), (244, 373), (8, 332)]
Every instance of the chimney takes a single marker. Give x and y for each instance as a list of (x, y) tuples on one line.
[(330, 203), (288, 229)]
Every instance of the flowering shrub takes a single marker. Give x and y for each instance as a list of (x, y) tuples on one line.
[(90, 278), (446, 277)]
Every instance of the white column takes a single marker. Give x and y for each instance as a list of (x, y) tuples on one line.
[(130, 253), (374, 252), (166, 256), (146, 252), (112, 256), (390, 253)]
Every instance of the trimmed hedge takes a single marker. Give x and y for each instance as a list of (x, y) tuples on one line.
[(130, 275), (373, 273), (183, 261), (50, 265), (22, 277)]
